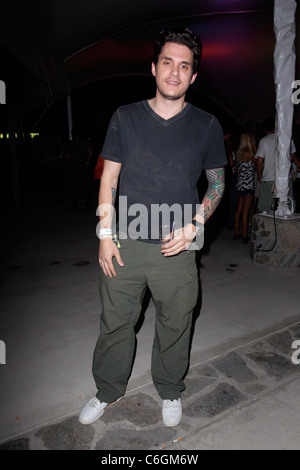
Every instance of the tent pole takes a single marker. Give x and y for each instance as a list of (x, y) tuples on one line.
[(284, 72), (69, 111)]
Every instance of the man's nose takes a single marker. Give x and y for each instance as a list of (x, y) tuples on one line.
[(175, 70)]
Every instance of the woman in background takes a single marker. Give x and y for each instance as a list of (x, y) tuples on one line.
[(246, 163)]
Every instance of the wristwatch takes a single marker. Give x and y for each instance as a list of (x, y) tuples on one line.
[(199, 227), (198, 241)]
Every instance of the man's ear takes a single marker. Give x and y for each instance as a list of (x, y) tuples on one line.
[(153, 69), (193, 78)]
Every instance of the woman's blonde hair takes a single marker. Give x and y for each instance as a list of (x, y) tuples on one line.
[(245, 145)]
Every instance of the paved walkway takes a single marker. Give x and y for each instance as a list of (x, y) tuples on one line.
[(247, 398), (242, 388)]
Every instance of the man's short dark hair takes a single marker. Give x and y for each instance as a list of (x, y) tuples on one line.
[(180, 35)]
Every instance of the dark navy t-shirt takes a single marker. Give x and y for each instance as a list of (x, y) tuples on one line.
[(162, 161)]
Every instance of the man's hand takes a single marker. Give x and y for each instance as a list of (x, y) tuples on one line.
[(183, 238), (107, 251)]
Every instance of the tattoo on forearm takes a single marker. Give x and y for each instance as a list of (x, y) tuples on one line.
[(113, 194), (214, 193)]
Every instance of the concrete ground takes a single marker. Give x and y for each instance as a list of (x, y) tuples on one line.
[(242, 387)]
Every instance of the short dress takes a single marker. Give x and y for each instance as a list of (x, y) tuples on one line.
[(245, 178)]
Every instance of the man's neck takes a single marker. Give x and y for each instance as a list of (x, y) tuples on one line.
[(166, 108)]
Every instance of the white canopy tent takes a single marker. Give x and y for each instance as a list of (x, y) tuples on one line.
[(284, 71)]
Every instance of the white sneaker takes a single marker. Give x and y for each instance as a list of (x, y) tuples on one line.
[(171, 412), (93, 410)]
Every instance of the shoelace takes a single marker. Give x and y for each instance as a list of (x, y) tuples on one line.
[(94, 402), (171, 403)]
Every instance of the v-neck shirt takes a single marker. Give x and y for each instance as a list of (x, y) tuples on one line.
[(162, 159)]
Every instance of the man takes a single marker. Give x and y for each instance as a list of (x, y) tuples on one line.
[(161, 145), (265, 156)]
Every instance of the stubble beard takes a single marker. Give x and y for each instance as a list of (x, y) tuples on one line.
[(169, 97)]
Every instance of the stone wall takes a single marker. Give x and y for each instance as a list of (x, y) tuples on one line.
[(276, 241)]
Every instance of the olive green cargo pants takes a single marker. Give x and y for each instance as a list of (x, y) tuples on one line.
[(173, 282)]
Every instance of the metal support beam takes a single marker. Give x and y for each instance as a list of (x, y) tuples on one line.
[(70, 119)]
